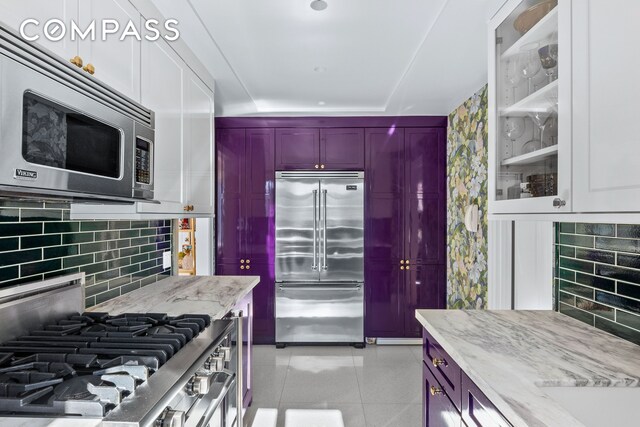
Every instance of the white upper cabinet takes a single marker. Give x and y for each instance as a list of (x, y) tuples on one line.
[(530, 108), (162, 92), (198, 146), (14, 12), (116, 62), (606, 93), (587, 159)]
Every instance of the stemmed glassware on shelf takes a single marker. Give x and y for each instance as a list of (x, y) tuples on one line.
[(540, 120), (513, 129), (529, 63), (514, 76), (549, 60)]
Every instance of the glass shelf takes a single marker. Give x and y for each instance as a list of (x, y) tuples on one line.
[(531, 158), (542, 30), (542, 101)]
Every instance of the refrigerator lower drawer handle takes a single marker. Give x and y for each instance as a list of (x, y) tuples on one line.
[(319, 288)]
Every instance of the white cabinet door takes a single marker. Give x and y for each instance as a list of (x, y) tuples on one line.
[(117, 62), (198, 146), (14, 12), (162, 92), (606, 90)]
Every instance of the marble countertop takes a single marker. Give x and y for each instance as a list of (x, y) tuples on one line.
[(176, 295), (513, 355)]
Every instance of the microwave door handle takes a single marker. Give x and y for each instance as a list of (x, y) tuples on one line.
[(324, 230), (314, 265)]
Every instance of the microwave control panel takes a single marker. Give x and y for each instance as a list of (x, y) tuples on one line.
[(143, 161)]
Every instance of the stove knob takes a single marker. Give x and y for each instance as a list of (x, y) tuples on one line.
[(214, 363), (198, 385), (171, 418), (225, 352)]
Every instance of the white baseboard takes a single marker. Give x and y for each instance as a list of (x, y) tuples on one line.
[(397, 341)]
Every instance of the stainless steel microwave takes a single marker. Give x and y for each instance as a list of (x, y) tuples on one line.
[(66, 135)]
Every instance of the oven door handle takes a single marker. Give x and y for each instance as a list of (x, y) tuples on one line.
[(214, 399)]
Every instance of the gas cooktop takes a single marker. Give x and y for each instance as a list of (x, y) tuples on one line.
[(87, 364)]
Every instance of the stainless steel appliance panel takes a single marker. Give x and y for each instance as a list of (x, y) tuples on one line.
[(341, 230), (320, 312), (297, 217)]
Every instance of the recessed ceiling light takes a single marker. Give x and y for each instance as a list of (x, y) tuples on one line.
[(321, 102), (320, 69), (318, 5)]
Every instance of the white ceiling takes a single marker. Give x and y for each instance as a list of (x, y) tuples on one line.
[(378, 57)]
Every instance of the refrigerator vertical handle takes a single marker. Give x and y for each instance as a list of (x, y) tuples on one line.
[(314, 265), (324, 230)]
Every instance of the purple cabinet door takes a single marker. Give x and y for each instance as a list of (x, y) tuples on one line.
[(263, 303), (425, 181), (342, 148), (477, 409), (425, 290), (230, 193), (437, 409), (259, 196), (297, 149), (383, 296), (384, 228)]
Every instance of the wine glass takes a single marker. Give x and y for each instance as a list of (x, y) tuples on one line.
[(513, 76), (549, 60), (551, 128), (529, 62), (513, 129), (539, 119)]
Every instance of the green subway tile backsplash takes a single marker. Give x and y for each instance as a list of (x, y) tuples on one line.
[(38, 241), (598, 276)]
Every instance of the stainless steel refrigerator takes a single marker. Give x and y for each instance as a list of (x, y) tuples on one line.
[(319, 257)]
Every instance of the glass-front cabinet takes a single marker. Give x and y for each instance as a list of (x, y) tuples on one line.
[(529, 107)]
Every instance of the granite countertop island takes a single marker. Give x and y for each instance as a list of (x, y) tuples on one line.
[(513, 355), (176, 295)]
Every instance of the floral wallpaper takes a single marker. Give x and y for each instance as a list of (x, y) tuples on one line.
[(467, 184)]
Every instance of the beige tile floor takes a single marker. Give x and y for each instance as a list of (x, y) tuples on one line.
[(379, 386)]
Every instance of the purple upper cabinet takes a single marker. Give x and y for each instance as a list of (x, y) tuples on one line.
[(297, 149), (260, 196), (342, 148), (230, 192), (425, 181), (384, 150)]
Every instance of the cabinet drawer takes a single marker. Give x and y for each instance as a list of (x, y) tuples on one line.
[(477, 410), (437, 409), (443, 367)]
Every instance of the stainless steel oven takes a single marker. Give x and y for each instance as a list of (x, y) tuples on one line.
[(64, 134)]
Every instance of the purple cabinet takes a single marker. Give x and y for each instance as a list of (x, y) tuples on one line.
[(246, 217), (405, 214), (449, 397), (477, 410), (437, 408), (342, 148), (297, 148), (322, 149)]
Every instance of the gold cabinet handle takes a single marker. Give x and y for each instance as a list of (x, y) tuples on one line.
[(401, 261), (402, 267), (437, 362), (89, 68), (406, 261), (317, 166), (186, 208), (248, 267), (321, 166), (77, 61), (248, 261), (435, 390), (242, 261), (242, 267)]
